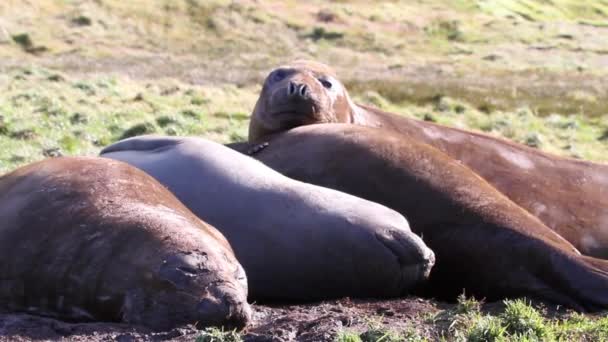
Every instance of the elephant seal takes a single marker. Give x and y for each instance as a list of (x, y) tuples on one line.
[(570, 196), (484, 243), (93, 239), (296, 241)]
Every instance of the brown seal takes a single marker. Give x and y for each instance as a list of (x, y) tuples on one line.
[(483, 242), (98, 240), (570, 196)]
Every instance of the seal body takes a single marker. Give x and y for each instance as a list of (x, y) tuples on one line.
[(296, 241), (569, 196), (484, 243), (98, 240)]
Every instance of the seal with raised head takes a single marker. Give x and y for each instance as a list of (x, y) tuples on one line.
[(93, 239), (570, 196), (296, 241), (483, 242)]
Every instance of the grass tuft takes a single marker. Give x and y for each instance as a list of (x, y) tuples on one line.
[(466, 305), (523, 320), (486, 329), (139, 129), (348, 336), (219, 335), (320, 32)]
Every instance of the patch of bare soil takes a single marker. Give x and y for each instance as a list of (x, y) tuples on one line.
[(305, 322), (321, 321)]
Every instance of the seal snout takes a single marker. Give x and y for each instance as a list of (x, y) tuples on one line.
[(414, 258), (228, 304), (297, 91)]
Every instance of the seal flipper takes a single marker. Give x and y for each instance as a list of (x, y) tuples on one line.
[(585, 278), (141, 143), (501, 263)]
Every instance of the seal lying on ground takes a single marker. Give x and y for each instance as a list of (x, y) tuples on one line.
[(99, 240), (484, 243), (569, 196), (296, 241)]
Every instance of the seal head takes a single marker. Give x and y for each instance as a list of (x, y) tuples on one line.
[(300, 93)]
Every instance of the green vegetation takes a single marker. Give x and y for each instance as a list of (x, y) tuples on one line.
[(42, 111), (517, 320), (78, 75), (530, 71), (377, 332), (219, 335)]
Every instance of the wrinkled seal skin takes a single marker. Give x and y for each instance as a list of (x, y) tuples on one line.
[(484, 243), (98, 240), (569, 196), (296, 241)]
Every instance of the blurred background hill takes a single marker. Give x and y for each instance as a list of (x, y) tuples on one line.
[(76, 75), (79, 74)]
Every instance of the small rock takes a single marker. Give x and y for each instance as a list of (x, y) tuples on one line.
[(52, 152)]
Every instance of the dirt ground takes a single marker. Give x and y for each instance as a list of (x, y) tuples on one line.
[(305, 322), (321, 321), (563, 72)]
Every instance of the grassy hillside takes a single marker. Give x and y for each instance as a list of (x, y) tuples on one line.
[(77, 75)]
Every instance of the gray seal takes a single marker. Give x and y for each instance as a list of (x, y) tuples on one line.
[(296, 241)]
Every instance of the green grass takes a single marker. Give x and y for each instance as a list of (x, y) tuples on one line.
[(557, 10), (377, 332), (77, 76), (45, 112), (219, 335), (77, 116), (516, 320), (577, 136)]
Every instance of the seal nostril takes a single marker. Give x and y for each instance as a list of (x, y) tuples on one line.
[(303, 90), (291, 89)]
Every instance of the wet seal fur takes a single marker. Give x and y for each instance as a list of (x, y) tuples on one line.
[(92, 239), (569, 196), (296, 241), (483, 242)]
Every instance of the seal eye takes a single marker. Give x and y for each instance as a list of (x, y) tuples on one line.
[(278, 75), (327, 84)]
